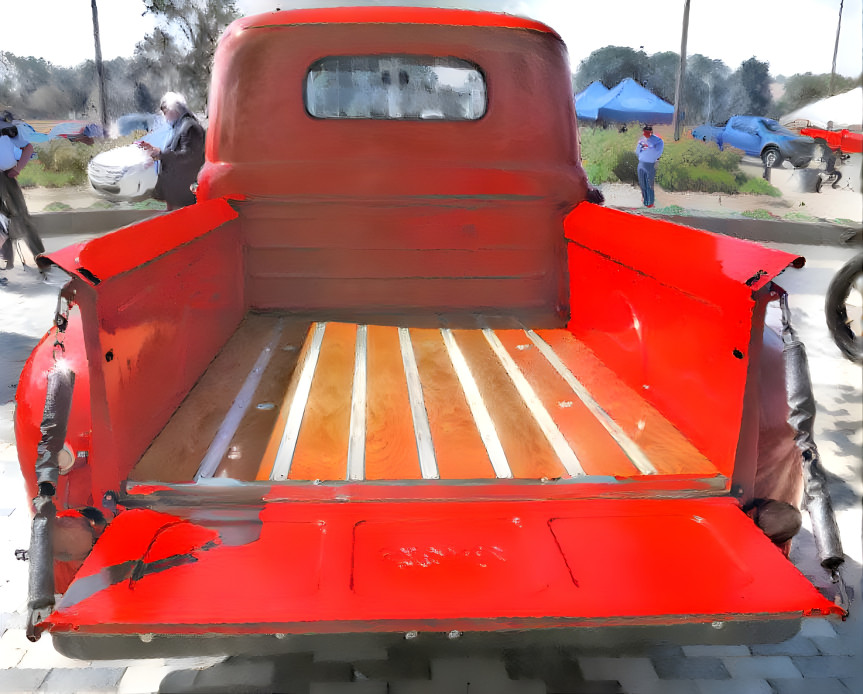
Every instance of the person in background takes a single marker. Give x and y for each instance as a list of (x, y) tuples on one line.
[(182, 157), (648, 149), (829, 155), (12, 203)]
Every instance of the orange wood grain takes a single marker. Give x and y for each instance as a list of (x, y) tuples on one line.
[(665, 446), (322, 444), (597, 451), (271, 450), (459, 449), (391, 449), (528, 451)]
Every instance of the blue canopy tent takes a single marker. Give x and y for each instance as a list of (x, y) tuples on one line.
[(589, 100), (629, 101)]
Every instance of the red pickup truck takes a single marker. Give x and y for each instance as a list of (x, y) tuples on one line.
[(392, 374)]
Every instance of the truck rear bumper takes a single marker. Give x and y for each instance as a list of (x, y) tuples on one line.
[(389, 568)]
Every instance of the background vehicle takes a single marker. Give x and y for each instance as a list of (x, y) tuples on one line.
[(393, 374), (127, 173), (77, 131), (760, 137)]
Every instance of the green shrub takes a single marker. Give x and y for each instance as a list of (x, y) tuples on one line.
[(759, 186), (626, 167), (61, 156), (758, 214), (601, 151)]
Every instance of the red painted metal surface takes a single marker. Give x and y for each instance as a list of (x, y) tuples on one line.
[(671, 310), (503, 153), (323, 567), (837, 139)]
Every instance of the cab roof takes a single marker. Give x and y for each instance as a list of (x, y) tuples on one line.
[(390, 15)]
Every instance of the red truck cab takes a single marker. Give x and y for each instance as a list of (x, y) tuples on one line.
[(392, 374)]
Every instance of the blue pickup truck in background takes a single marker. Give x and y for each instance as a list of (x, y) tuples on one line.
[(760, 137)]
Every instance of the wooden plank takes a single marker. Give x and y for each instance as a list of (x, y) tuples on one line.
[(277, 435), (458, 447), (528, 451), (668, 450), (176, 452), (391, 448), (597, 451), (322, 445), (250, 441)]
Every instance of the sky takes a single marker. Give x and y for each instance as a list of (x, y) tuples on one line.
[(793, 36)]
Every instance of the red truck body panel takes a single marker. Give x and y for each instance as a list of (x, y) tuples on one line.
[(416, 261)]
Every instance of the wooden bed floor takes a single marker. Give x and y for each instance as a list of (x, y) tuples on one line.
[(293, 399)]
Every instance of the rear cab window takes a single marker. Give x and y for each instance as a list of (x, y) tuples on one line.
[(395, 87)]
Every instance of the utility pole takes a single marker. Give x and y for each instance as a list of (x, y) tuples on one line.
[(100, 71), (836, 49), (681, 72)]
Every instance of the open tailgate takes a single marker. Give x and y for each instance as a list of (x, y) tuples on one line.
[(313, 567)]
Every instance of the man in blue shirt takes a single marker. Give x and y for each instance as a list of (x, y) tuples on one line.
[(648, 149), (15, 152)]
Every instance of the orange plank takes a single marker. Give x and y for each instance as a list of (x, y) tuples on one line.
[(669, 451), (597, 451), (528, 451), (272, 449), (322, 444), (459, 449), (391, 449)]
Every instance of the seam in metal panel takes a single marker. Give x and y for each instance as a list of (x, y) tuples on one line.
[(422, 430), (285, 454), (555, 438), (219, 446), (481, 416), (357, 440), (632, 451)]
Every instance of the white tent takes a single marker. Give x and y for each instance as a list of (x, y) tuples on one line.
[(845, 110)]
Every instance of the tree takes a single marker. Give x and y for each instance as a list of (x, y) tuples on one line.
[(807, 88), (190, 28), (610, 65), (753, 82), (662, 74)]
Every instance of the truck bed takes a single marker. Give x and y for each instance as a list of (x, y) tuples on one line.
[(294, 398)]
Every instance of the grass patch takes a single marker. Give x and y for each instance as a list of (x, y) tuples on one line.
[(670, 209), (799, 217), (35, 174), (759, 214), (758, 186), (149, 204), (56, 206)]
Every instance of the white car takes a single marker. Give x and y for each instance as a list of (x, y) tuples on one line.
[(127, 173)]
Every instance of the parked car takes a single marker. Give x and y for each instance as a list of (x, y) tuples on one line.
[(760, 137), (77, 131), (127, 173)]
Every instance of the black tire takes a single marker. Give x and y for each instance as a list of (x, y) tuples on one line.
[(818, 183), (845, 283), (771, 157), (801, 163)]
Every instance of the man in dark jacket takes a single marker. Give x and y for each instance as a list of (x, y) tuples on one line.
[(182, 157)]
